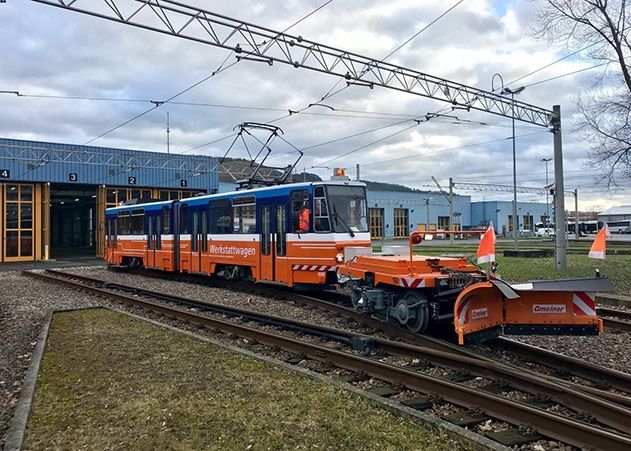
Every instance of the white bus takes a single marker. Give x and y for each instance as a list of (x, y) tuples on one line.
[(620, 226)]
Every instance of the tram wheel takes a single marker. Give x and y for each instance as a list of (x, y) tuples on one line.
[(419, 311)]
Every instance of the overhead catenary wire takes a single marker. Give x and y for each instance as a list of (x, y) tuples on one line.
[(222, 67), (452, 7), (416, 155), (567, 74), (434, 119), (217, 71), (550, 64), (368, 145), (331, 92)]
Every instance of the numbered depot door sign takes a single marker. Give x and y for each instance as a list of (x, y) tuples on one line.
[(183, 183), (5, 174), (131, 180), (73, 177)]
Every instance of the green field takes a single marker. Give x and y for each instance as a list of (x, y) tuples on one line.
[(109, 381), (616, 267)]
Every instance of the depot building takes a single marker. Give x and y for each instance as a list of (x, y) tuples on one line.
[(54, 195)]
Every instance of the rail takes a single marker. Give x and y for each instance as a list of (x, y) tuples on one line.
[(557, 427)]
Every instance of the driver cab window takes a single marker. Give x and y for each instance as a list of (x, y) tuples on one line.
[(299, 201), (320, 211)]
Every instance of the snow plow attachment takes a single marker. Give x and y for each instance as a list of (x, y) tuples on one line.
[(544, 307)]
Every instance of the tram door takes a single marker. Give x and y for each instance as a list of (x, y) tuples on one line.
[(273, 262), (154, 241), (199, 239)]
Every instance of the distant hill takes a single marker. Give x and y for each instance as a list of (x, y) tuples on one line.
[(240, 168), (383, 186)]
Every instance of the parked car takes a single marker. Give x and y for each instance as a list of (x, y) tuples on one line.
[(545, 232)]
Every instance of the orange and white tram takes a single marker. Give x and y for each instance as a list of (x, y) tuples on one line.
[(316, 234), (286, 234)]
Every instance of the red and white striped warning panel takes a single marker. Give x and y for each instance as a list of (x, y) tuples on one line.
[(312, 267), (463, 311), (584, 303), (411, 282)]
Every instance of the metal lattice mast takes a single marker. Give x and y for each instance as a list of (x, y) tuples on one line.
[(256, 43), (480, 187)]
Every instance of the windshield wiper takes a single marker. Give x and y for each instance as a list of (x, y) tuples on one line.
[(339, 219)]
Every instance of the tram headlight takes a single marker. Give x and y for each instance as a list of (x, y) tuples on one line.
[(339, 258)]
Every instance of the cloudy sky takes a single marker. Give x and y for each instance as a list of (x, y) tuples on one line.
[(51, 52)]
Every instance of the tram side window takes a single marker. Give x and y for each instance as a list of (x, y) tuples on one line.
[(123, 223), (299, 198), (166, 220), (137, 222), (184, 219), (244, 215), (220, 216), (111, 232), (158, 232), (320, 211)]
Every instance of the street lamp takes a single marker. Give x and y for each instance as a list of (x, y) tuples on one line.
[(512, 92), (546, 160)]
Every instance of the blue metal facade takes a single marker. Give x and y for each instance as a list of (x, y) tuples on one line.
[(416, 204), (499, 211), (35, 161)]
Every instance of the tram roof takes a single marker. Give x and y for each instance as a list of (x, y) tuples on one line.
[(270, 191), (261, 193)]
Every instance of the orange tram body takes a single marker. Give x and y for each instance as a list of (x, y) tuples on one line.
[(316, 235)]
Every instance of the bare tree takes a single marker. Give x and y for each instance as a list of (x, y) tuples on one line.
[(598, 30)]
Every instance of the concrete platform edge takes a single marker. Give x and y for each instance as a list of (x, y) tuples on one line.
[(17, 427)]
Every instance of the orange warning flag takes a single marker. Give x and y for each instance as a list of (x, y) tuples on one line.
[(486, 249), (598, 247)]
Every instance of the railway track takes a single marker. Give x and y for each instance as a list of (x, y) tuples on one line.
[(615, 318), (362, 353), (562, 368)]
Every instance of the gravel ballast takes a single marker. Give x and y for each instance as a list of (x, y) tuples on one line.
[(609, 349), (24, 302), (23, 306)]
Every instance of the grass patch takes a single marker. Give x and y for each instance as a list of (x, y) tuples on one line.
[(110, 381)]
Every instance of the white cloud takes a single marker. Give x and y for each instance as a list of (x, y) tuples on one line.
[(51, 51)]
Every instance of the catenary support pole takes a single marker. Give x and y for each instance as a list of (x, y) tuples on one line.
[(576, 232), (515, 219), (451, 209), (559, 198), (168, 133)]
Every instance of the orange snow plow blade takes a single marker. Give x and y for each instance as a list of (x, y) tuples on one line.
[(479, 310), (549, 307)]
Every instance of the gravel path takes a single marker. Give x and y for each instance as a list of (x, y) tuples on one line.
[(24, 303)]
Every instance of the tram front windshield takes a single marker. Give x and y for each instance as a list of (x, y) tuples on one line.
[(347, 206)]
